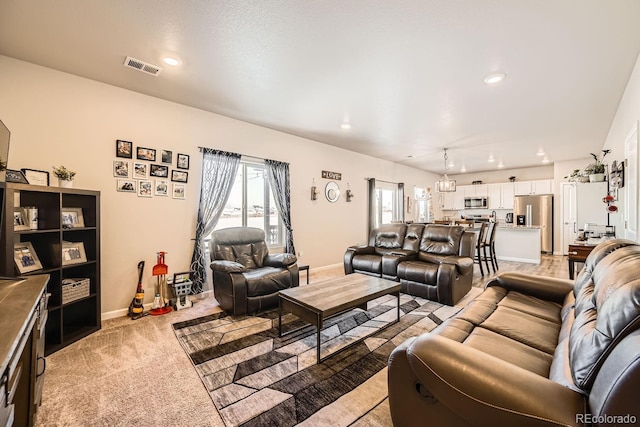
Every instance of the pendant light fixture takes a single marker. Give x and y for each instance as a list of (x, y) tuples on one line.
[(446, 185)]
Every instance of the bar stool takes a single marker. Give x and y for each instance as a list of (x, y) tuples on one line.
[(482, 236), (490, 242)]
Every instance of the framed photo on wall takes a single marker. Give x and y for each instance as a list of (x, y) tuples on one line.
[(25, 257), (183, 161), (146, 154), (159, 171), (179, 176), (126, 186), (167, 156), (179, 191), (161, 187), (121, 168), (145, 189), (124, 149), (140, 170)]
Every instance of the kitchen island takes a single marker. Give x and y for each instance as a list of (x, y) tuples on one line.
[(518, 243)]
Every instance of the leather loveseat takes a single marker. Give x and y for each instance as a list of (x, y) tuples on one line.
[(246, 278), (531, 351), (432, 261)]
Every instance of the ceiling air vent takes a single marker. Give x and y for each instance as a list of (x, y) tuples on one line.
[(145, 67)]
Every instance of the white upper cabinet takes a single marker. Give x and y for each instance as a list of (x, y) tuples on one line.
[(508, 191), (501, 195), (541, 186)]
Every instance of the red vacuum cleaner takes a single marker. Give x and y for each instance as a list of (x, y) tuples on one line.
[(160, 304)]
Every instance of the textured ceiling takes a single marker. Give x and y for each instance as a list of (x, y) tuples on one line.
[(407, 75)]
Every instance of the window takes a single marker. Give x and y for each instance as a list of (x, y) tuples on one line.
[(388, 203), (251, 204)]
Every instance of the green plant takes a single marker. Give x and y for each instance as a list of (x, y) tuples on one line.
[(63, 173), (597, 166)]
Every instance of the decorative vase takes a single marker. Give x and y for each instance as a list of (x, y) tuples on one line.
[(64, 183), (596, 177)]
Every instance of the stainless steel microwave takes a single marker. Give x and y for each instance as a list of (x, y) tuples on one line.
[(476, 203)]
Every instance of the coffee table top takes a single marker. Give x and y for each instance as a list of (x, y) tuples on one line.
[(336, 295)]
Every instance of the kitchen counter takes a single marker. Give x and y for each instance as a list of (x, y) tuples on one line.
[(518, 243)]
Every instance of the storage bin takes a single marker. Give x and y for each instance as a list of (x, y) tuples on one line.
[(74, 289)]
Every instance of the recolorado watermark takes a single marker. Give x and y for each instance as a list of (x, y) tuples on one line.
[(605, 419)]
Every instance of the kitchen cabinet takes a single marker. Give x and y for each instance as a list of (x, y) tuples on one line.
[(541, 186), (458, 200), (69, 317), (501, 195), (478, 190)]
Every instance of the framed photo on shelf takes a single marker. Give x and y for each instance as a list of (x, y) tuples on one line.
[(145, 188), (140, 170), (25, 257), (124, 149), (146, 154), (183, 161), (15, 176), (20, 219), (159, 171), (36, 177), (72, 218), (179, 176), (126, 186), (179, 191), (73, 253), (121, 168), (167, 156), (161, 187)]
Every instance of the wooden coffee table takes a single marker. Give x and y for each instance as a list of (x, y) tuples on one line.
[(315, 303)]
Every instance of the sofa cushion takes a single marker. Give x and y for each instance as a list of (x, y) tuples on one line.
[(607, 308), (266, 280), (388, 236), (368, 263), (441, 239), (420, 272)]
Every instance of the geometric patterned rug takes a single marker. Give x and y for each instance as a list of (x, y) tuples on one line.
[(255, 378)]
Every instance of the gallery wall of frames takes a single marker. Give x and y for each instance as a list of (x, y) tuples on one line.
[(150, 172)]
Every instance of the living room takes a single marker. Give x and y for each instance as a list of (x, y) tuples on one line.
[(61, 118)]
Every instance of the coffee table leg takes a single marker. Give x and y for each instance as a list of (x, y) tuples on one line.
[(318, 325), (398, 306), (280, 317)]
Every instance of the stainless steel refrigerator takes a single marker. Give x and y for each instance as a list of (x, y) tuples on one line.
[(538, 212)]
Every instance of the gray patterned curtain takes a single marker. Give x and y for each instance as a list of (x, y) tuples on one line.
[(219, 169), (372, 223), (401, 206), (279, 179)]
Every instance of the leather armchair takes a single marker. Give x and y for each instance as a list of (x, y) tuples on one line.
[(246, 278), (442, 270)]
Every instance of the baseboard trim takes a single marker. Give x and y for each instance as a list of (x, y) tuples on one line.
[(123, 311)]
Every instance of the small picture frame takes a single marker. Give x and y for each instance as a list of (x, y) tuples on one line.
[(146, 154), (126, 186), (145, 188), (72, 218), (73, 253), (179, 191), (15, 176), (36, 177), (161, 187), (124, 149), (140, 170), (166, 156), (183, 161), (20, 219), (121, 168), (25, 257), (159, 171), (179, 176)]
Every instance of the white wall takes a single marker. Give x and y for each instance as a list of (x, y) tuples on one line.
[(502, 175), (626, 117), (57, 118)]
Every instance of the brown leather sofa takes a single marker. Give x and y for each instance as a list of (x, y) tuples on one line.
[(246, 278), (531, 351), (432, 261)]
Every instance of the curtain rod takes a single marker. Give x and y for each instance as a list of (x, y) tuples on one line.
[(243, 155), (381, 180)]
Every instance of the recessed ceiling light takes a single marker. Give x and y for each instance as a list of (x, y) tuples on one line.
[(463, 168), (491, 159), (545, 160), (171, 61), (494, 78), (540, 152), (500, 165), (345, 125)]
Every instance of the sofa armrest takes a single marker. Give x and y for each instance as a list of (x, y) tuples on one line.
[(484, 390), (544, 287), (280, 260), (362, 250), (227, 266), (462, 263)]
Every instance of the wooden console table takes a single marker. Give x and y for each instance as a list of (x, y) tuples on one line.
[(578, 252)]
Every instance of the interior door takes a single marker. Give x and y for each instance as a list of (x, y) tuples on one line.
[(569, 216), (631, 186)]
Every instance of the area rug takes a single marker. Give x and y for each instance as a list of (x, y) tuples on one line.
[(255, 378)]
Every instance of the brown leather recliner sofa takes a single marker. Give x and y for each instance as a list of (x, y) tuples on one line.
[(246, 278), (531, 351), (432, 261)]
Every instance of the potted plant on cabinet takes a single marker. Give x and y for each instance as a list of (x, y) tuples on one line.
[(595, 170), (64, 175)]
